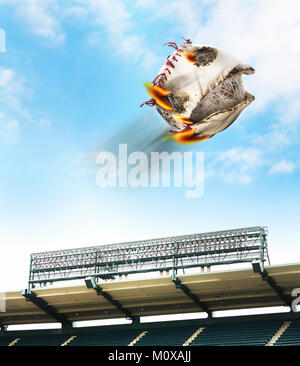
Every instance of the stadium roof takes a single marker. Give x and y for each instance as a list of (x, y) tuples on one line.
[(219, 290)]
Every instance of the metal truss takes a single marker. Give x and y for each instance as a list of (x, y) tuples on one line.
[(258, 267), (91, 283), (164, 254), (202, 305), (48, 309)]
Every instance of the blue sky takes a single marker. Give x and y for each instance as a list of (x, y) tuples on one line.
[(70, 79)]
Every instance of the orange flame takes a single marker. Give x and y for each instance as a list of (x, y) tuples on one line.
[(158, 94), (190, 56), (184, 119), (186, 137)]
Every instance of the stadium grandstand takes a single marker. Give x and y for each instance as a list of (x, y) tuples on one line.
[(204, 274)]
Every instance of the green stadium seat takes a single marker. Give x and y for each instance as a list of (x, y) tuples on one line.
[(237, 334), (291, 337), (107, 338), (5, 341), (41, 340), (168, 336)]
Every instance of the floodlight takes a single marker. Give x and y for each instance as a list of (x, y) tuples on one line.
[(257, 267), (108, 261)]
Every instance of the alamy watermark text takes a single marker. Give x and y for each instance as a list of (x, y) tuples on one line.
[(159, 169)]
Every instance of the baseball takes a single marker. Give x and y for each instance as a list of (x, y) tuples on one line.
[(199, 91)]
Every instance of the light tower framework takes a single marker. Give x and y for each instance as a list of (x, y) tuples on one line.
[(164, 254)]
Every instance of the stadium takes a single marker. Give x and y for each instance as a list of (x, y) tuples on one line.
[(206, 274)]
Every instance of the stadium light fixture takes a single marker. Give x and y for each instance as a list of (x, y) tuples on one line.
[(90, 283), (164, 254), (257, 267)]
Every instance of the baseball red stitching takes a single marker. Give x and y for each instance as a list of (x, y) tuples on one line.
[(162, 77)]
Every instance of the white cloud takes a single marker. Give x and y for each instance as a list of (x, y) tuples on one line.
[(288, 110), (77, 12), (282, 167), (41, 16), (46, 123), (5, 77), (13, 90), (276, 139), (9, 128), (14, 94), (11, 87), (236, 165), (114, 17), (45, 19), (111, 14), (247, 157), (186, 15)]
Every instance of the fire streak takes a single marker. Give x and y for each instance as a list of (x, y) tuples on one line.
[(184, 119), (158, 94), (186, 137), (190, 56)]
